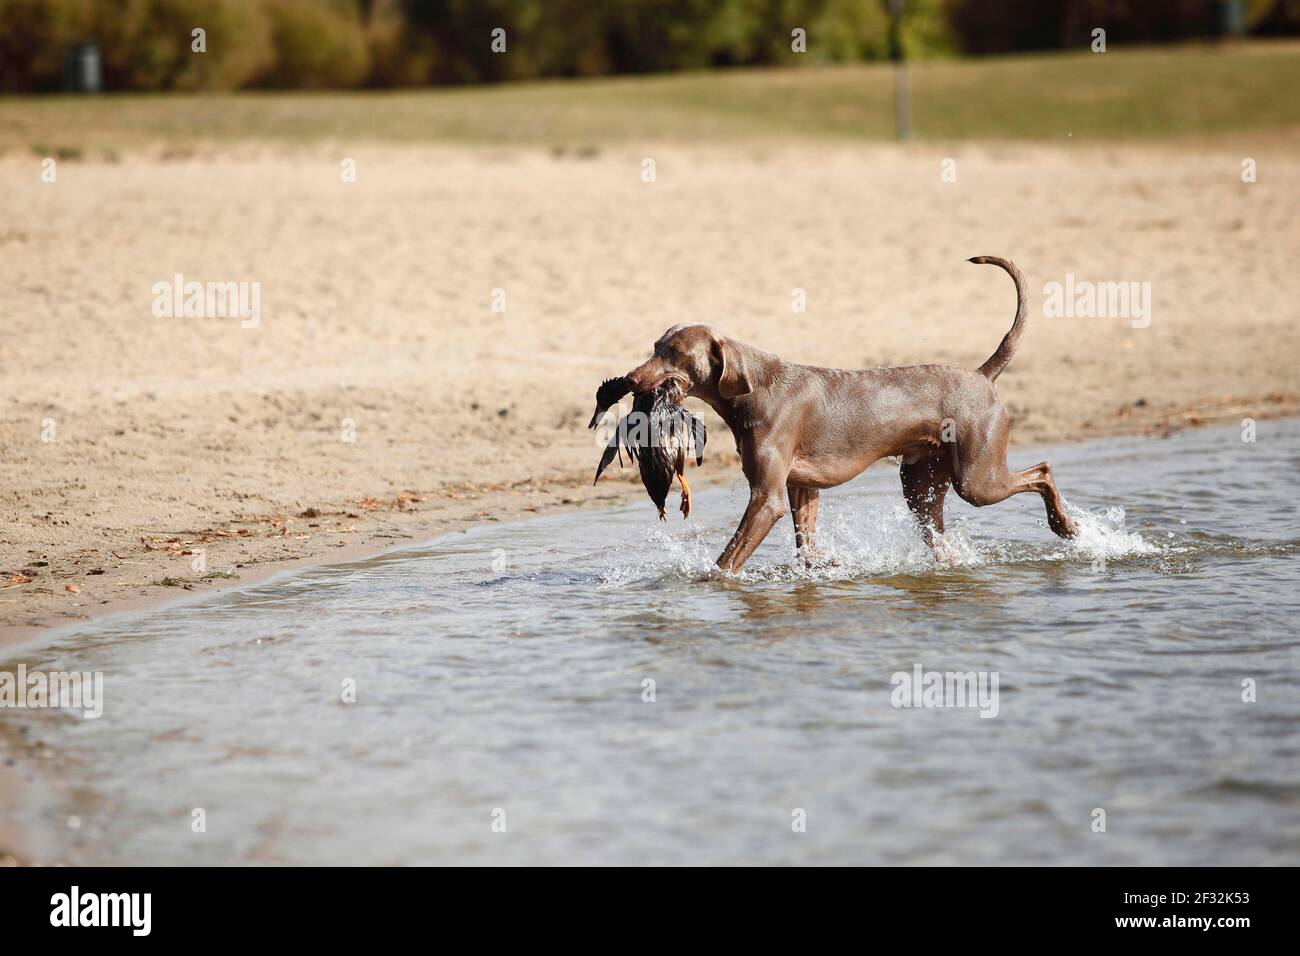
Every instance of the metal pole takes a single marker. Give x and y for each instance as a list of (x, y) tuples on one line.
[(902, 88)]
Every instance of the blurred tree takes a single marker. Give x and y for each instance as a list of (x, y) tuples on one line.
[(460, 32), (1273, 17), (318, 44), (1000, 26), (145, 44), (33, 35)]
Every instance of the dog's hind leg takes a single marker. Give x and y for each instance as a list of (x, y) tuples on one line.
[(981, 477), (925, 483), (803, 511), (1039, 478)]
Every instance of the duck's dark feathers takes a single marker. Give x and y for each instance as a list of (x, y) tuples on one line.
[(657, 434)]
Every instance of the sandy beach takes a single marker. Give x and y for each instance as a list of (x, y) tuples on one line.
[(381, 399)]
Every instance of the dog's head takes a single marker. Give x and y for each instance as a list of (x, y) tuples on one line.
[(705, 363)]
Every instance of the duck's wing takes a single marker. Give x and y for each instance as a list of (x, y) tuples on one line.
[(673, 436), (611, 449), (698, 435), (626, 437), (637, 427)]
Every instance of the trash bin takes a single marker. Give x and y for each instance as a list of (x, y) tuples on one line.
[(81, 69), (1231, 17)]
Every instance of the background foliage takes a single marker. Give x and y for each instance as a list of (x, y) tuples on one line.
[(295, 44)]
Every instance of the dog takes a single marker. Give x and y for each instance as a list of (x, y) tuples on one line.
[(801, 428)]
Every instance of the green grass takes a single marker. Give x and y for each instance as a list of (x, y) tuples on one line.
[(1137, 94)]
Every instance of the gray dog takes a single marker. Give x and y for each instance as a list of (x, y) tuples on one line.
[(800, 428)]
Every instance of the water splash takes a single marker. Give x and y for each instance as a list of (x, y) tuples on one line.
[(1105, 536), (662, 552), (859, 540)]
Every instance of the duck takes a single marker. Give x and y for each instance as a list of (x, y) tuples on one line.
[(658, 434)]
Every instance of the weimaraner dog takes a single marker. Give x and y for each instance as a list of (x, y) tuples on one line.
[(800, 428)]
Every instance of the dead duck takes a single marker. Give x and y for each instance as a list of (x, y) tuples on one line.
[(656, 434)]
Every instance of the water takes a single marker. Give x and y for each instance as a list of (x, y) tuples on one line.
[(1120, 661)]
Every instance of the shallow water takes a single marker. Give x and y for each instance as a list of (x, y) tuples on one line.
[(503, 669)]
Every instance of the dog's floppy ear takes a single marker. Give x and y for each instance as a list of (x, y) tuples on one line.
[(733, 375)]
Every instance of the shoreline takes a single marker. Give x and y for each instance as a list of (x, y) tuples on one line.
[(626, 491), (491, 507)]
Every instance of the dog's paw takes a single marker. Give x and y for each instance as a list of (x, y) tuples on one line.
[(818, 560), (943, 552), (1063, 526)]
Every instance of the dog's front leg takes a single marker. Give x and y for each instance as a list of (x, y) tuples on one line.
[(766, 507), (766, 474)]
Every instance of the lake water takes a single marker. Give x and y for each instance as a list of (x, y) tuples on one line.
[(500, 678)]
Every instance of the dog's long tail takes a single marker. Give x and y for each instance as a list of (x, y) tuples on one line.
[(999, 360)]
